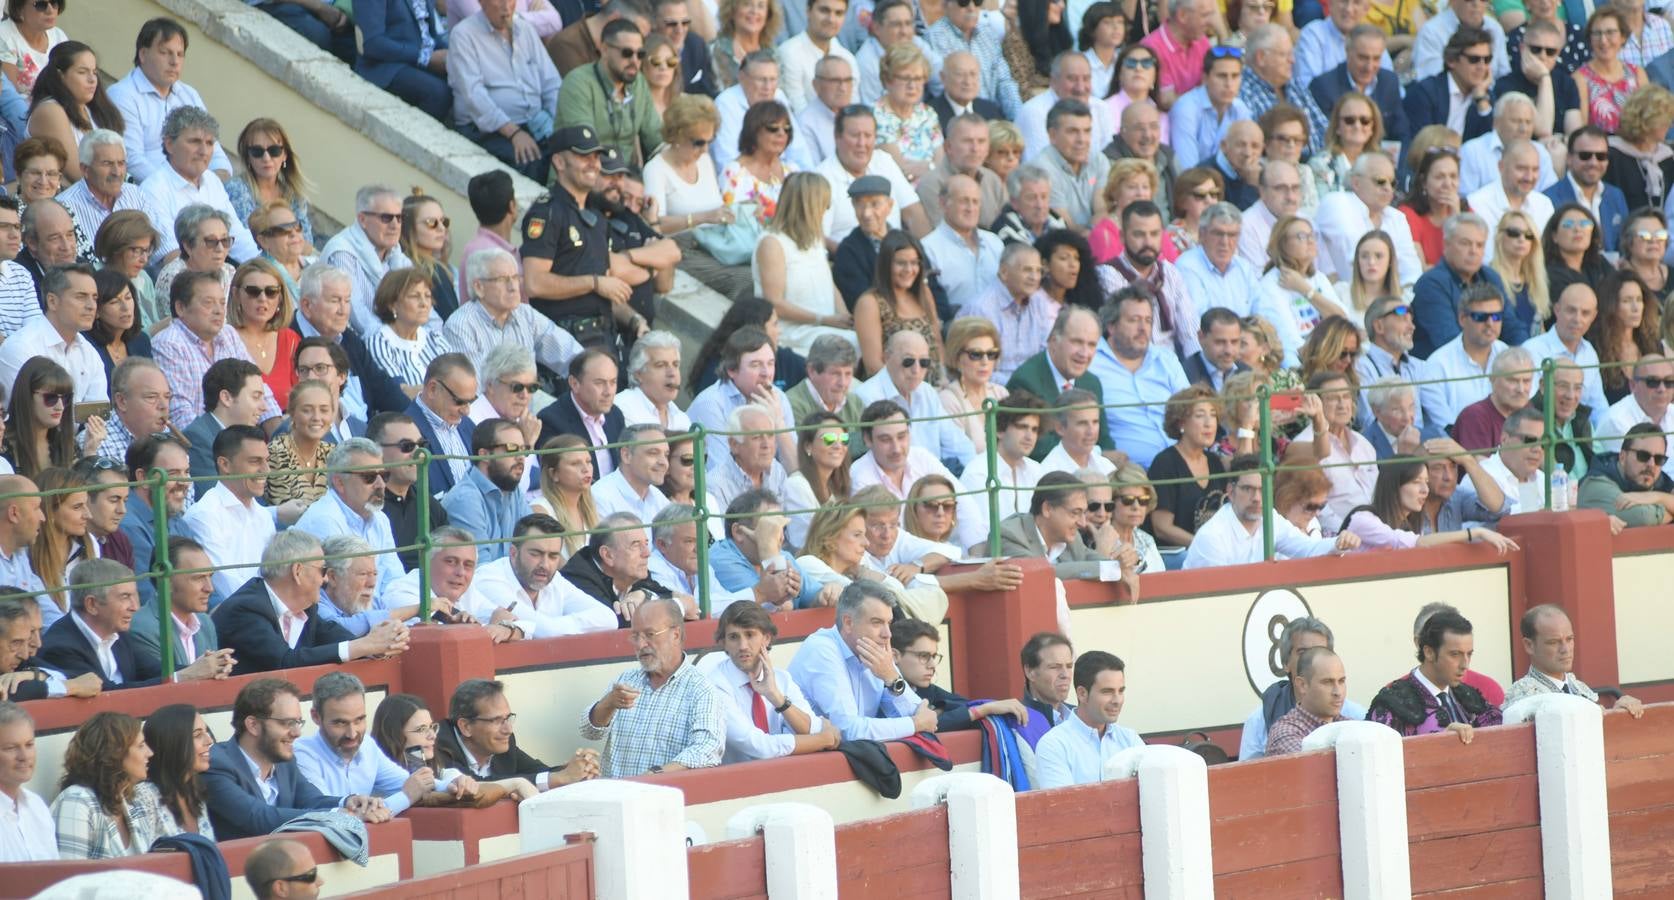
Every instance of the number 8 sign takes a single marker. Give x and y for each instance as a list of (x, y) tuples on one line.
[(1266, 621)]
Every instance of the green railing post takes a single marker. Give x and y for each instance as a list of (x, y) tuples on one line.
[(160, 568), (1548, 368), (1264, 400), (991, 443), (700, 489), (422, 498)]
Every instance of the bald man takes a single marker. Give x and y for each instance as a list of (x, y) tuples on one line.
[(907, 362), (283, 869)]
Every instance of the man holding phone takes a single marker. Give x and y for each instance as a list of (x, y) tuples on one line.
[(767, 716)]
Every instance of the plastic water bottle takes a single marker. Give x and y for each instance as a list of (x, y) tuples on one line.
[(1560, 489)]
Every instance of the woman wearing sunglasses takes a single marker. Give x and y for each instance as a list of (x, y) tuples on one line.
[(260, 310), (279, 233), (932, 509), (27, 36), (116, 331), (1356, 126), (822, 472), (1135, 498), (1522, 269), (663, 75), (313, 412), (271, 174), (428, 243), (1300, 489), (1135, 79), (1195, 191), (40, 432), (1644, 244), (680, 185), (1574, 250), (1627, 327), (972, 355), (204, 234)]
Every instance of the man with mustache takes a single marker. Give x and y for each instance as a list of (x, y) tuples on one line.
[(354, 504)]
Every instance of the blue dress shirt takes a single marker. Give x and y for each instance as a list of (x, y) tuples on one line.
[(1236, 289), (1138, 430), (484, 510), (840, 687), (1073, 753), (711, 407), (330, 516), (736, 573), (1196, 128), (370, 773)]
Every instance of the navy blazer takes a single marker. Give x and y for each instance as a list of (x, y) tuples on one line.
[(391, 38), (1197, 369), (381, 392), (1613, 207), (247, 625), (982, 106), (65, 649), (236, 806), (441, 474), (1329, 87), (1426, 104), (562, 417), (200, 435), (1374, 436)]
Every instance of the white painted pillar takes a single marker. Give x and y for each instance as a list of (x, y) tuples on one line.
[(801, 848), (639, 830), (1173, 819), (1371, 808), (1574, 805), (981, 833)]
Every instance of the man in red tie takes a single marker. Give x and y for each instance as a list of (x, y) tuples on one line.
[(767, 716)]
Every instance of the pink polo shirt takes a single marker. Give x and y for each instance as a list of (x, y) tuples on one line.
[(1178, 68)]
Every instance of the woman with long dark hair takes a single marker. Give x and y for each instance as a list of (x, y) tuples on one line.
[(116, 331), (1574, 250), (40, 431), (105, 808), (402, 724), (1068, 274), (180, 741), (822, 471), (1627, 327), (899, 300), (790, 367), (1395, 517), (69, 101), (1433, 196), (64, 538)]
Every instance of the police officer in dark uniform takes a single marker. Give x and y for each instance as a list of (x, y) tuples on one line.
[(566, 246), (629, 232)]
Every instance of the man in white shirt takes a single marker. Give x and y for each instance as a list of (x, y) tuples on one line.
[(1281, 195), (816, 124), (758, 82), (799, 56), (1479, 157), (767, 716), (654, 371), (1344, 216), (1233, 536), (1652, 389), (1078, 436), (454, 593), (633, 487), (1515, 189), (1076, 750), (189, 135), (27, 832), (892, 461), (227, 520), (525, 582), (965, 257), (1573, 312), (1516, 469), (1448, 388), (1072, 79), (855, 155), (1019, 424), (150, 91), (71, 305), (907, 363)]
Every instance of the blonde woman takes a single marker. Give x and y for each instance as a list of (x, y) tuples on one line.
[(746, 26), (908, 129), (260, 309), (566, 477), (1005, 148), (1376, 272), (835, 553), (63, 538), (313, 410), (428, 243), (1356, 125), (663, 74), (971, 354), (1294, 294), (1522, 267), (789, 268), (1641, 163), (1135, 498), (1241, 412), (1260, 349), (1129, 180)]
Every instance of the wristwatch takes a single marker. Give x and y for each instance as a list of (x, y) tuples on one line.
[(897, 687), (783, 706)]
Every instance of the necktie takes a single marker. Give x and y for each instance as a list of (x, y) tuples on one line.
[(1566, 687), (1452, 707), (1068, 385), (758, 711)]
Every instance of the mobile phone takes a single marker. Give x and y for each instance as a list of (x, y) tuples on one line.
[(1285, 402), (413, 759), (85, 410)]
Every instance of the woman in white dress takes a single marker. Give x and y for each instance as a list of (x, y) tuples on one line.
[(790, 270), (1295, 296)]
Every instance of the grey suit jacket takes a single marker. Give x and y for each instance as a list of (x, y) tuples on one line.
[(1020, 537), (143, 634)]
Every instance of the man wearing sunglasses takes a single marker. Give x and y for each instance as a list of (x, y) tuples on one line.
[(907, 363), (399, 438), (283, 870), (611, 98), (487, 502), (1632, 485), (1583, 183), (1515, 469), (1539, 70), (354, 505), (1389, 332), (1460, 97), (1652, 389), (582, 41)]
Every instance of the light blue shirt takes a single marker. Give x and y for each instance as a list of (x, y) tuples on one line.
[(494, 81), (1196, 127), (717, 401), (964, 272), (17, 571), (931, 428), (143, 110), (840, 687), (1547, 345), (734, 572), (329, 516), (370, 773), (1235, 289), (1445, 399), (1138, 430), (727, 481), (484, 510), (1073, 753), (1253, 743)]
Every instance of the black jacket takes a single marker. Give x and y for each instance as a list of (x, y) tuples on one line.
[(248, 626), (982, 106), (1197, 369), (583, 571), (1563, 453), (562, 417), (1329, 87), (953, 712), (65, 649), (514, 763), (404, 520), (1426, 104)]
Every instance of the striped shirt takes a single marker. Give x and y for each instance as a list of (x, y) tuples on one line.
[(405, 360), (184, 358), (473, 331), (20, 304), (448, 443), (89, 212)]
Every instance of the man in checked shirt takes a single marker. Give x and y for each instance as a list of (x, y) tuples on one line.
[(662, 716)]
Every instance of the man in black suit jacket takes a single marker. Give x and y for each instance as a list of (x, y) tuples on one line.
[(1428, 99), (249, 622), (983, 107), (1364, 67), (232, 395), (323, 311), (98, 621), (1220, 333), (592, 381), (450, 387), (20, 638), (268, 718), (477, 738)]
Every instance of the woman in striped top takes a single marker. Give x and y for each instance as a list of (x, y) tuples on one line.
[(405, 344)]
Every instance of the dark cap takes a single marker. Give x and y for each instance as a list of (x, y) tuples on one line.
[(869, 186), (576, 139), (612, 163)]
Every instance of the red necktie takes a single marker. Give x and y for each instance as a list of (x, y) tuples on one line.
[(758, 712)]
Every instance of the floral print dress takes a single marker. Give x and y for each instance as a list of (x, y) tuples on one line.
[(918, 136)]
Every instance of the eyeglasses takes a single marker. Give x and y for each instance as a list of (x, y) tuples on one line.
[(926, 657), (457, 400), (508, 447), (1657, 384), (1348, 355), (283, 228), (1661, 234), (406, 445), (780, 128), (939, 506), (271, 292), (317, 370), (1477, 59), (1207, 196), (288, 724), (44, 5), (1098, 506), (829, 438), (1645, 456), (1481, 317), (371, 478), (1525, 440), (1592, 155), (1542, 51), (1398, 310), (220, 243), (1140, 62), (977, 355), (663, 64), (1224, 52), (920, 361), (433, 222), (521, 387), (1306, 237), (1580, 223), (1131, 501), (677, 23), (506, 721), (386, 218), (646, 637), (272, 150), (53, 399), (1518, 234), (432, 729), (628, 52), (1382, 183)]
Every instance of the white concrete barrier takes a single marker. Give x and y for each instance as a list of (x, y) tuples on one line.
[(1371, 808), (1574, 805), (801, 848), (639, 830), (981, 833), (1173, 819)]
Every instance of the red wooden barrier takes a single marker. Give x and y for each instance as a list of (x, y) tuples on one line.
[(1473, 811), (562, 874), (1249, 805), (1639, 774), (1080, 841), (729, 870)]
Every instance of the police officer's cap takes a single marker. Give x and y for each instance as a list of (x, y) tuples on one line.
[(612, 163), (869, 186), (576, 139)]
